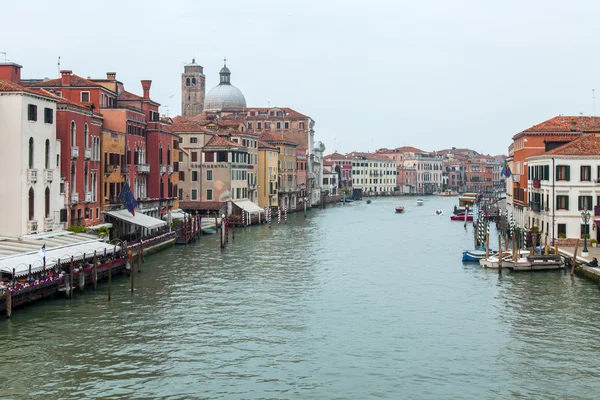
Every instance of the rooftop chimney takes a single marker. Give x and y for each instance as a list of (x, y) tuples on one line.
[(573, 127), (65, 77), (111, 76), (10, 72), (146, 86)]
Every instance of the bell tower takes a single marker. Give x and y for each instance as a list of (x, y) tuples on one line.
[(193, 89)]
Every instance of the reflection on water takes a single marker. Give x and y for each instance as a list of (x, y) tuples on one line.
[(351, 302)]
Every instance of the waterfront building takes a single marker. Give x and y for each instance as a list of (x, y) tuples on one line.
[(536, 140), (330, 179), (429, 170), (302, 177), (342, 165), (406, 177), (287, 181), (268, 174), (373, 174), (561, 183), (30, 158), (315, 173)]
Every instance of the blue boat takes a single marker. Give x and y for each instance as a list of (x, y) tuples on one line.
[(476, 255), (369, 201)]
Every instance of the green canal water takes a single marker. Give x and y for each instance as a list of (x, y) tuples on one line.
[(352, 302)]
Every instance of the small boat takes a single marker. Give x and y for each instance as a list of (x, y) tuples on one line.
[(538, 262), (369, 201), (399, 208), (476, 255), (419, 202), (493, 262), (448, 193), (461, 217), (210, 230)]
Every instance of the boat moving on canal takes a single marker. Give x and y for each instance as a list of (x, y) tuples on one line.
[(399, 209), (419, 202), (461, 217)]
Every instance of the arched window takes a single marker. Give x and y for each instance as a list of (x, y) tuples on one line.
[(73, 141), (187, 82), (193, 81), (86, 134), (30, 153), (169, 154), (160, 154), (31, 214), (47, 202), (47, 159)]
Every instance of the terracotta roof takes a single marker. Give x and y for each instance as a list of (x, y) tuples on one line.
[(217, 141), (265, 145), (128, 96), (565, 124), (9, 86), (588, 145), (76, 81), (189, 126), (268, 137), (403, 149), (335, 156), (328, 163), (287, 112), (370, 156)]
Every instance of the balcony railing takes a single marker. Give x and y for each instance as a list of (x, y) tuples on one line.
[(109, 169), (535, 207), (48, 223), (163, 169), (142, 168), (32, 175), (87, 153), (49, 175), (75, 197), (252, 186), (88, 197), (170, 169), (32, 227), (74, 151)]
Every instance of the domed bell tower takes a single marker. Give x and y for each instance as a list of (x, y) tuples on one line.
[(193, 88)]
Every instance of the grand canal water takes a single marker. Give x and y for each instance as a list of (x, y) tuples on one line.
[(353, 302)]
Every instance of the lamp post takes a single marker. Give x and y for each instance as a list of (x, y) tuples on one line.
[(585, 217)]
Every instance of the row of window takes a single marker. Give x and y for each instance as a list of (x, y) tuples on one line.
[(32, 114), (563, 173), (267, 125), (357, 181), (539, 203)]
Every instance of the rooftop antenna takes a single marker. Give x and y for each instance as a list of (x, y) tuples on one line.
[(3, 52), (594, 101), (58, 66), (225, 61)]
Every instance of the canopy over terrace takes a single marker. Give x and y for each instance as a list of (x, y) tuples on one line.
[(21, 262), (140, 219), (248, 206)]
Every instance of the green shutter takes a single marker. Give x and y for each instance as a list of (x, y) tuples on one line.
[(546, 172), (567, 207), (568, 172), (556, 173), (580, 202)]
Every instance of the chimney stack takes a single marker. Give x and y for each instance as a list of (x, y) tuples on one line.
[(10, 72), (573, 127), (146, 86), (111, 76), (65, 77)]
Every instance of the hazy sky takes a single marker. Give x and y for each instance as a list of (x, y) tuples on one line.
[(427, 73)]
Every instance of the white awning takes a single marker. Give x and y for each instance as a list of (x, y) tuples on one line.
[(248, 206), (21, 262), (140, 219), (176, 214)]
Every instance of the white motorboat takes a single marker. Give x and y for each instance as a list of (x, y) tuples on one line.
[(493, 262), (419, 202)]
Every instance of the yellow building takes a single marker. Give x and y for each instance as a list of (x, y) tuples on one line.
[(287, 180), (268, 159)]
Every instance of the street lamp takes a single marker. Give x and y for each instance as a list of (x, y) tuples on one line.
[(585, 217)]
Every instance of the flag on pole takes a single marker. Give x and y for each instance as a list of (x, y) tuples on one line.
[(128, 199), (506, 170)]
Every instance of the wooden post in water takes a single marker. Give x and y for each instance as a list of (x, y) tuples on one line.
[(71, 280), (8, 303), (506, 242), (29, 276), (487, 246), (574, 260), (95, 273), (466, 214), (140, 259), (131, 270), (109, 277), (499, 254)]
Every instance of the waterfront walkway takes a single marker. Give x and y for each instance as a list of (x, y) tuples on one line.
[(590, 272)]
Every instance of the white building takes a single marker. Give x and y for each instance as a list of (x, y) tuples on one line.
[(315, 177), (374, 174), (330, 179), (562, 183), (30, 161), (429, 171)]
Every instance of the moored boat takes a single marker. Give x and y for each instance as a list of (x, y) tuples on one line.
[(399, 208), (461, 217), (476, 255), (419, 202), (493, 262)]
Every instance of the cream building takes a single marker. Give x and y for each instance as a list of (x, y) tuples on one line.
[(30, 158), (268, 159), (374, 174)]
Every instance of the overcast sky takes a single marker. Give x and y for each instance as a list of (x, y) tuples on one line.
[(427, 73)]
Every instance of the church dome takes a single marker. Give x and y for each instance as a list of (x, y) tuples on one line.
[(224, 96)]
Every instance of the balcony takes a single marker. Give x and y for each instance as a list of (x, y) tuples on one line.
[(74, 197), (74, 151), (252, 186), (32, 175), (48, 223), (163, 169), (32, 227), (88, 197), (535, 207), (87, 153), (143, 168), (49, 175), (109, 169), (170, 168)]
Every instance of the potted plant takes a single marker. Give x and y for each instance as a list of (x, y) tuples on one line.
[(562, 235), (593, 242)]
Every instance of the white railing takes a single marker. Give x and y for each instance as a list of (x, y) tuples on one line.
[(74, 151), (32, 175), (170, 169), (143, 168), (163, 169), (48, 223), (88, 197), (32, 227), (49, 175), (87, 153), (75, 197)]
